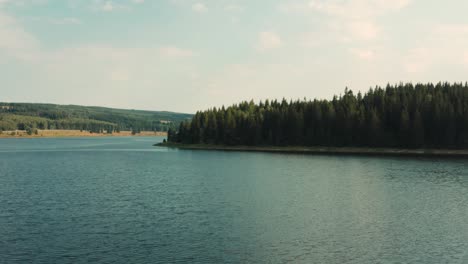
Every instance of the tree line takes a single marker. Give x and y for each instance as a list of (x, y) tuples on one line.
[(24, 116), (31, 124), (402, 115)]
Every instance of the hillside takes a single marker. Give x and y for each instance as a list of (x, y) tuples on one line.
[(28, 116)]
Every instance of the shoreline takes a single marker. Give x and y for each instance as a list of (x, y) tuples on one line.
[(325, 150), (76, 133)]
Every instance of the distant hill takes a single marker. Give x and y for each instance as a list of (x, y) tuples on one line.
[(30, 116)]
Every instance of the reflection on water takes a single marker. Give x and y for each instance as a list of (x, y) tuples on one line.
[(120, 200)]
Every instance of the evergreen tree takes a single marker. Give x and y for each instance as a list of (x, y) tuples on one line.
[(403, 115)]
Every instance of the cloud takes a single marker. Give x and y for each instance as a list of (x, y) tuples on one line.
[(418, 60), (199, 7), (15, 41), (108, 6), (393, 4), (362, 29), (119, 75), (363, 54), (101, 5), (175, 52), (353, 20), (268, 40), (357, 8), (451, 30), (443, 46), (465, 58), (88, 67), (233, 83)]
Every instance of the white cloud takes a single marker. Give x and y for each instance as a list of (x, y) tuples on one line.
[(108, 6), (84, 69), (363, 54), (364, 30), (393, 4), (418, 60), (119, 75), (232, 12), (357, 8), (15, 41), (356, 20), (465, 58), (443, 46), (233, 83), (199, 7), (451, 30), (268, 40)]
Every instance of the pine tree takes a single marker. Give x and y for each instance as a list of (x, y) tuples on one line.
[(405, 115)]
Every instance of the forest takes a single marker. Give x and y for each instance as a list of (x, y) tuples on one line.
[(30, 117), (399, 116)]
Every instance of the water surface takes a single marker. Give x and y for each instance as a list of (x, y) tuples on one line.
[(120, 200)]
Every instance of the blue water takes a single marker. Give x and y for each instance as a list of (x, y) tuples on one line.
[(121, 200)]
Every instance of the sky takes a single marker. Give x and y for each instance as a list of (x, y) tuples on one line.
[(184, 55)]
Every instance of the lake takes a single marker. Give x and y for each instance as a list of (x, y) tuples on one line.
[(121, 200)]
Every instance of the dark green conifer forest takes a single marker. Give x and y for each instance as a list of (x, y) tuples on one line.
[(401, 116)]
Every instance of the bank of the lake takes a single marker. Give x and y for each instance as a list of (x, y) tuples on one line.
[(75, 133), (324, 150)]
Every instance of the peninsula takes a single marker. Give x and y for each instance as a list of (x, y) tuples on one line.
[(403, 119)]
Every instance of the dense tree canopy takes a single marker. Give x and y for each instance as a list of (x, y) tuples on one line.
[(404, 115), (95, 119)]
